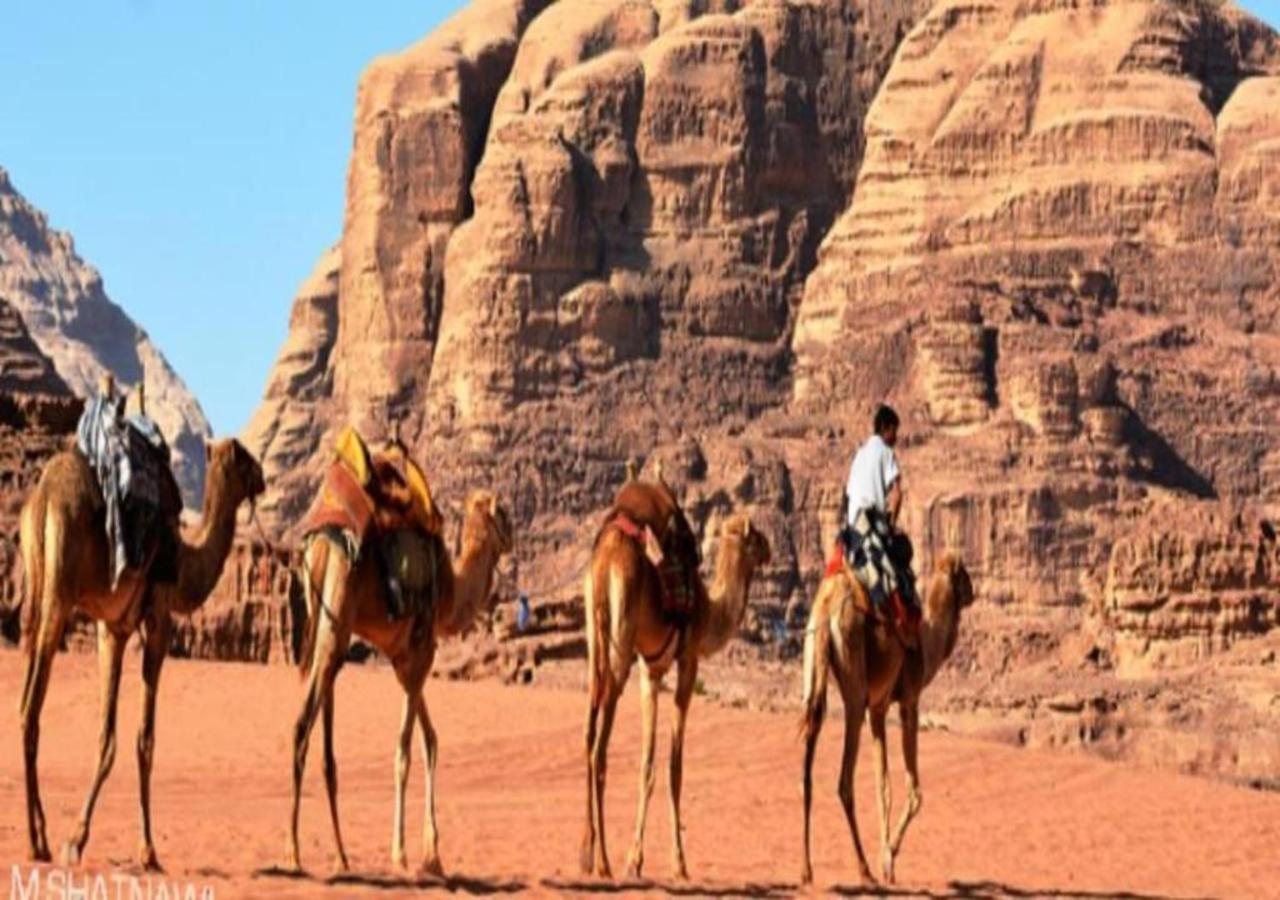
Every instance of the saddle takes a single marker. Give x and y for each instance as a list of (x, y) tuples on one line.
[(648, 514), (382, 500)]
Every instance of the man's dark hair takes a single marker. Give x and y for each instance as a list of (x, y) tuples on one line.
[(885, 419)]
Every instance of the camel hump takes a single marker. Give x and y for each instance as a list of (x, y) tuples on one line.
[(396, 487), (653, 505)]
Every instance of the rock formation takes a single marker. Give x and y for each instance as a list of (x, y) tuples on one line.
[(62, 301), (714, 235)]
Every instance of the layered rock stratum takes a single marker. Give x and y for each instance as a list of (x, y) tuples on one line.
[(64, 306)]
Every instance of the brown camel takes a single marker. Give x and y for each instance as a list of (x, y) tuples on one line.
[(623, 621), (65, 556), (873, 671), (342, 600)]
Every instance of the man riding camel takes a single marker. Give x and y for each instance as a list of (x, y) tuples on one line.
[(876, 550)]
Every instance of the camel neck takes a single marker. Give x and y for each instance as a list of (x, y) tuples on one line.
[(728, 599), (940, 627), (200, 562), (473, 579)]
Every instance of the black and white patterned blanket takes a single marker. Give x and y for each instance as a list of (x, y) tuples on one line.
[(880, 558), (131, 460)]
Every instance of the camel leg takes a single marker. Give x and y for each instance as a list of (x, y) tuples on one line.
[(687, 681), (398, 857), (47, 639), (430, 836), (599, 765), (884, 793), (853, 687), (110, 658), (806, 789), (586, 858), (331, 781), (649, 721), (330, 649), (155, 646), (915, 797)]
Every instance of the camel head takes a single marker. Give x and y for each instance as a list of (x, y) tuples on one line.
[(958, 580), (753, 545), (231, 467), (485, 519)]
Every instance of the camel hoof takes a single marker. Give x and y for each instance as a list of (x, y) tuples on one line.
[(635, 864), (681, 873), (70, 854), (399, 860), (40, 855), (806, 876), (431, 869), (340, 864), (147, 859), (867, 878)]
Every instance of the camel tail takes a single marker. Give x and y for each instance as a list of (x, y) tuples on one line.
[(817, 663), (32, 549)]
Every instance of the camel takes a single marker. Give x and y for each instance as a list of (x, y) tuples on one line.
[(873, 671), (623, 622), (65, 557), (345, 599)]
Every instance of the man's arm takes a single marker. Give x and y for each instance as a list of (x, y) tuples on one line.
[(894, 501)]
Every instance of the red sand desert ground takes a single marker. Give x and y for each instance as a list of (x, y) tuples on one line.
[(996, 820)]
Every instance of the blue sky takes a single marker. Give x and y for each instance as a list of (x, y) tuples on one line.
[(197, 151)]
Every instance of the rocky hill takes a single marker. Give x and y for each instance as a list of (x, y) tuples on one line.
[(66, 310)]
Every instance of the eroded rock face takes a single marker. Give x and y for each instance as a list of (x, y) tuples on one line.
[(38, 412), (62, 301), (716, 234)]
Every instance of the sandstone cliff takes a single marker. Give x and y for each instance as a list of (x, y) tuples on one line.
[(62, 301), (717, 233)]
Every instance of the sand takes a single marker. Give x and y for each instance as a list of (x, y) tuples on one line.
[(996, 820)]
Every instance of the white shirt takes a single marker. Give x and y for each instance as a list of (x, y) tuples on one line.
[(873, 472)]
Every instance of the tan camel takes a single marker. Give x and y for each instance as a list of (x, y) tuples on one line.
[(873, 671), (65, 556), (343, 600), (623, 621)]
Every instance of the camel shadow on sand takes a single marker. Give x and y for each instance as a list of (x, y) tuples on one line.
[(990, 890), (674, 889), (458, 884)]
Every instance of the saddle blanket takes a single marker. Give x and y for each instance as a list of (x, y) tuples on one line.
[(130, 459), (382, 500)]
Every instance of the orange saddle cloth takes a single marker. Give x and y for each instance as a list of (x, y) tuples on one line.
[(361, 492)]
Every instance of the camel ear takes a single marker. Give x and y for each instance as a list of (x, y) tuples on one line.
[(746, 526), (493, 506), (208, 452)]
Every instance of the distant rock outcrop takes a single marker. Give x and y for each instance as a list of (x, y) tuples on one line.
[(65, 308)]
